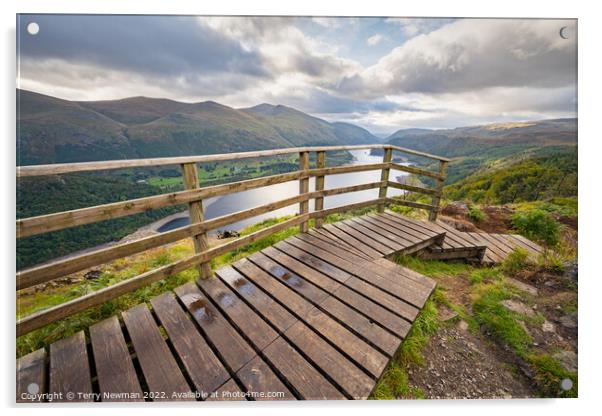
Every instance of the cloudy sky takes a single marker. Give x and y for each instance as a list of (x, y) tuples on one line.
[(381, 73)]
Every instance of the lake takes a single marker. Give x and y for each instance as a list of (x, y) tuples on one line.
[(227, 204)]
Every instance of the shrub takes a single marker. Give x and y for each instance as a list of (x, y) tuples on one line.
[(515, 261), (475, 214), (537, 225)]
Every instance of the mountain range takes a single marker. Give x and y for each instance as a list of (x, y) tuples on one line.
[(53, 130)]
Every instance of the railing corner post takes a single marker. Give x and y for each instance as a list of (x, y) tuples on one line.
[(196, 213), (436, 201), (384, 177), (304, 188)]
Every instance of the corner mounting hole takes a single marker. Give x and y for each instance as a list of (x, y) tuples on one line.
[(33, 28)]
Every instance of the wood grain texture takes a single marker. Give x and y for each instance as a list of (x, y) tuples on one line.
[(161, 371), (31, 377), (69, 369), (116, 374)]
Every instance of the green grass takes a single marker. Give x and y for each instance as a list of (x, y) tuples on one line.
[(548, 375), (394, 382), (434, 268), (475, 213)]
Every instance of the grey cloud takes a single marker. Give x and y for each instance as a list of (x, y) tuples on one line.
[(473, 54), (160, 45)]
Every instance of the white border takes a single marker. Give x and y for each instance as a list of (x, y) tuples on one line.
[(589, 145)]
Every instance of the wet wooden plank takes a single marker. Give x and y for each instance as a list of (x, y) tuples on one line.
[(70, 369), (202, 365), (346, 375), (31, 377), (161, 371), (259, 300), (426, 228), (238, 312), (228, 343), (116, 374), (261, 382), (361, 325), (228, 391), (361, 301), (357, 349), (305, 379)]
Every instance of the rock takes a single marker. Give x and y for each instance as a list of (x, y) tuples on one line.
[(463, 326), (446, 314), (523, 286), (548, 326), (568, 360), (571, 271), (459, 224), (456, 208), (518, 307), (569, 321), (93, 275)]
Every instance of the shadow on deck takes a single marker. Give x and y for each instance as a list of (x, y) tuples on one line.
[(317, 316)]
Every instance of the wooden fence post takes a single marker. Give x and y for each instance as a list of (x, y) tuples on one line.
[(197, 215), (439, 191), (304, 188), (319, 202), (384, 177)]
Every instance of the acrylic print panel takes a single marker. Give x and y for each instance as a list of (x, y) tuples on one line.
[(295, 208)]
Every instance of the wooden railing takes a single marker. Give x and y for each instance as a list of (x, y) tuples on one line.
[(193, 195)]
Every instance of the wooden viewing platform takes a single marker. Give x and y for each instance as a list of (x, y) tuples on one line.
[(316, 316)]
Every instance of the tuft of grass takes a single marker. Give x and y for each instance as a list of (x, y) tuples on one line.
[(475, 214), (503, 324), (552, 261), (515, 261), (548, 375), (394, 382), (434, 268), (485, 275)]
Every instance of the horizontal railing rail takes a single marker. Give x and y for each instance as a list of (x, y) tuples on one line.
[(199, 227)]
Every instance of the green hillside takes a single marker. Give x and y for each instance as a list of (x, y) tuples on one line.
[(52, 130)]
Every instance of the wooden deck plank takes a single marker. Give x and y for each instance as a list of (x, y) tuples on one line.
[(70, 369), (31, 371), (491, 255), (361, 301), (354, 321), (346, 375), (305, 379), (228, 343), (390, 232), (329, 238), (202, 365), (345, 340), (116, 374), (370, 232), (238, 312), (376, 245), (397, 277), (409, 230), (406, 290), (367, 250), (259, 379), (273, 312), (159, 367), (426, 228)]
